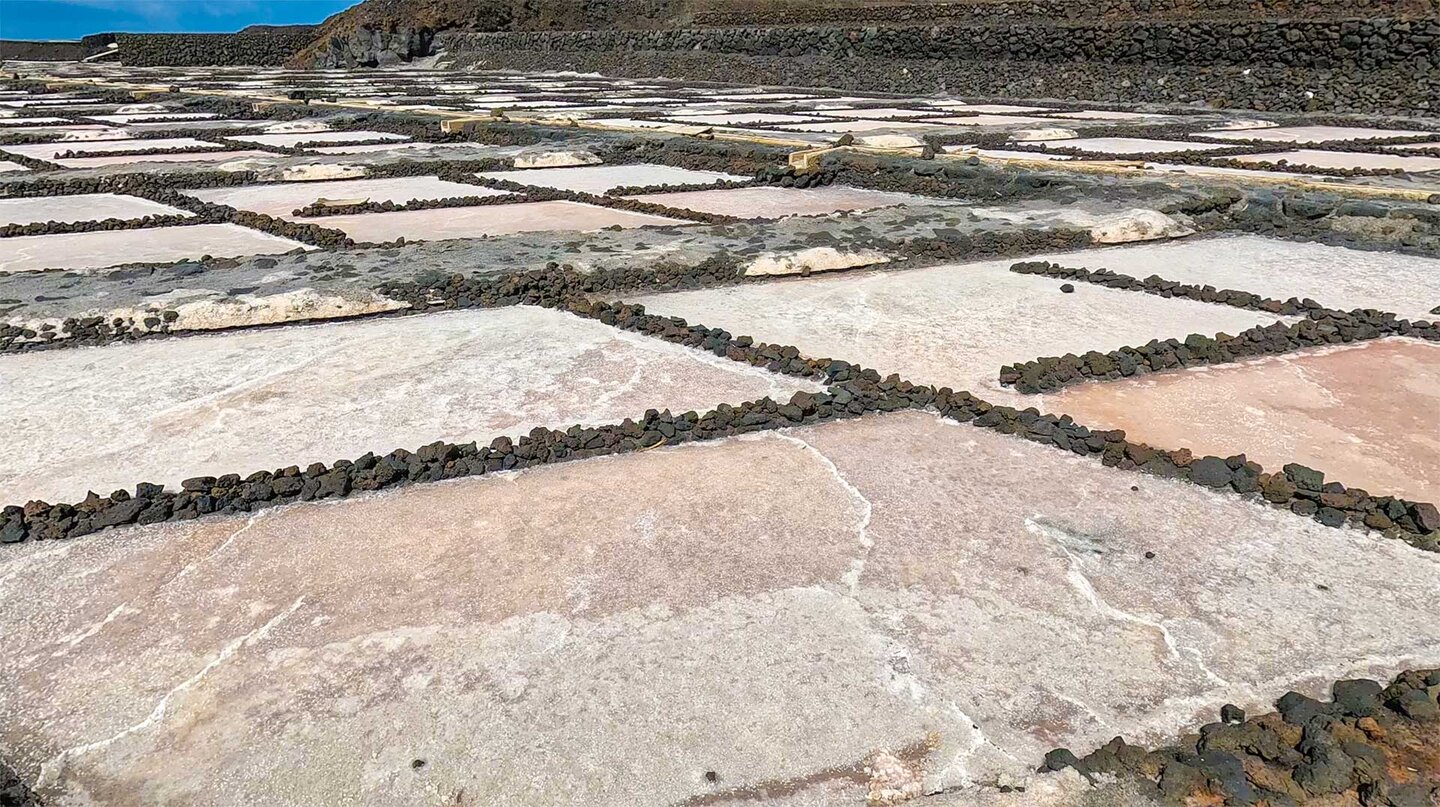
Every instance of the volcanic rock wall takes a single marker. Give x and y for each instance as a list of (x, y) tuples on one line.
[(838, 12), (1370, 65), (255, 46), (41, 51)]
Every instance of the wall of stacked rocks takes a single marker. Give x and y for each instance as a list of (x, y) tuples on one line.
[(41, 51), (268, 46), (1367, 44), (779, 12), (1370, 65)]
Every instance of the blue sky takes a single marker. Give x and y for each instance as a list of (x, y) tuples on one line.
[(71, 19)]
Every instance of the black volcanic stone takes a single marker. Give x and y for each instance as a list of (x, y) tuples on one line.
[(1212, 472), (1357, 697), (1303, 477)]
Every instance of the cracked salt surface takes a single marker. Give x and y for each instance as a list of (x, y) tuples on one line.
[(1338, 277), (953, 325), (102, 248), (651, 630), (601, 178), (165, 411), (1315, 158), (776, 202), (1368, 414), (83, 207), (439, 224), (283, 198)]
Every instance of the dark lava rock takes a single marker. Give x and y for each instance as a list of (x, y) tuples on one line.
[(1067, 288), (1426, 516), (1298, 709), (1330, 517), (1358, 697), (1058, 759), (1212, 472), (1326, 769), (1230, 713), (1304, 478), (1417, 704)]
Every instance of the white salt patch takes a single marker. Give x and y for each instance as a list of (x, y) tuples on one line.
[(774, 202), (1340, 159), (860, 126), (1003, 154), (1130, 145), (96, 250), (881, 112), (992, 120), (1309, 134), (601, 178), (371, 148), (35, 121), (83, 207), (293, 139), (953, 325), (1100, 114), (1341, 278), (168, 410), (281, 198), (142, 117), (474, 222), (988, 109), (49, 151), (746, 119), (184, 157)]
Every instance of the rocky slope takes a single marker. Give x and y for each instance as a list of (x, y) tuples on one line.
[(386, 32)]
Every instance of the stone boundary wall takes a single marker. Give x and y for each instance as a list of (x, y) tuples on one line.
[(1382, 91), (1365, 44), (1000, 11), (41, 51), (1380, 65), (269, 47), (1360, 743)]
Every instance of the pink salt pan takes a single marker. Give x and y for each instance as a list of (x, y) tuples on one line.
[(1367, 415)]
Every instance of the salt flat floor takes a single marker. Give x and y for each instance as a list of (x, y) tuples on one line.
[(774, 202), (281, 199), (241, 402), (1342, 278), (1368, 415), (805, 598), (601, 178), (472, 222), (82, 207), (742, 621), (952, 326), (99, 249)]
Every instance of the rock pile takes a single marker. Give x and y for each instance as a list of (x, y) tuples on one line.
[(1363, 746)]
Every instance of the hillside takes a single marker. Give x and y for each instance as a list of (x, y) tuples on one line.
[(381, 32)]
